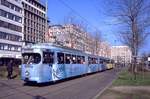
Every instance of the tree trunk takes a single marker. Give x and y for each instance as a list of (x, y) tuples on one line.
[(134, 68), (134, 71)]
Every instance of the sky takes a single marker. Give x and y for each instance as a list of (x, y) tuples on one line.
[(91, 12)]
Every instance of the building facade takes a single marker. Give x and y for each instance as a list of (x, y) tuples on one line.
[(121, 54), (75, 37), (104, 49), (69, 35), (11, 26), (34, 13), (89, 44), (56, 35)]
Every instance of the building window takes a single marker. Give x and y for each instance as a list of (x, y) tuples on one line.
[(10, 16), (18, 9), (12, 48), (3, 13), (5, 47), (11, 37), (1, 46), (18, 19), (11, 6), (5, 3), (10, 26), (19, 49)]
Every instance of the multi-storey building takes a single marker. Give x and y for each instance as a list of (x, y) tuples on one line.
[(10, 29), (89, 44), (75, 36), (104, 49), (121, 54), (69, 35), (56, 34), (34, 21)]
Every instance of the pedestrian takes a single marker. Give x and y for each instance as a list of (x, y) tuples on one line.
[(10, 69)]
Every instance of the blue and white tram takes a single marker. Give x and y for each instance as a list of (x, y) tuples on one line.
[(46, 62)]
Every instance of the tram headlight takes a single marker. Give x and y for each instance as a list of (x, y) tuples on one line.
[(27, 73)]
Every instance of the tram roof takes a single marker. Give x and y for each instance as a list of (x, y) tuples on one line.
[(53, 46), (61, 48)]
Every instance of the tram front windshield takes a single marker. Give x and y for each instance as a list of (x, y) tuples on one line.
[(31, 58)]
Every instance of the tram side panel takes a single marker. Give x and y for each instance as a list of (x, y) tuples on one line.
[(58, 72), (93, 65), (93, 68), (46, 72), (76, 67), (68, 65), (80, 67)]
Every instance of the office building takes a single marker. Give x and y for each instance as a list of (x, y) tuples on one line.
[(34, 21), (121, 54), (10, 29)]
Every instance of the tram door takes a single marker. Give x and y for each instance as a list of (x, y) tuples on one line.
[(48, 61), (58, 69)]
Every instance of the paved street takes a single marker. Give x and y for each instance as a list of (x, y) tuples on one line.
[(80, 88)]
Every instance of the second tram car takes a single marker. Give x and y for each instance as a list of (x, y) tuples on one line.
[(46, 62)]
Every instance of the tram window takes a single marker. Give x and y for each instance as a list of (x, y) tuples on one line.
[(104, 61), (93, 61), (89, 60), (25, 58), (112, 61), (67, 58), (48, 57), (74, 59), (37, 59), (96, 61), (82, 60), (101, 61), (107, 61), (79, 59), (31, 58), (60, 57)]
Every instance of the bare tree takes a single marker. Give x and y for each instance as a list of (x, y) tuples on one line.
[(134, 17)]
